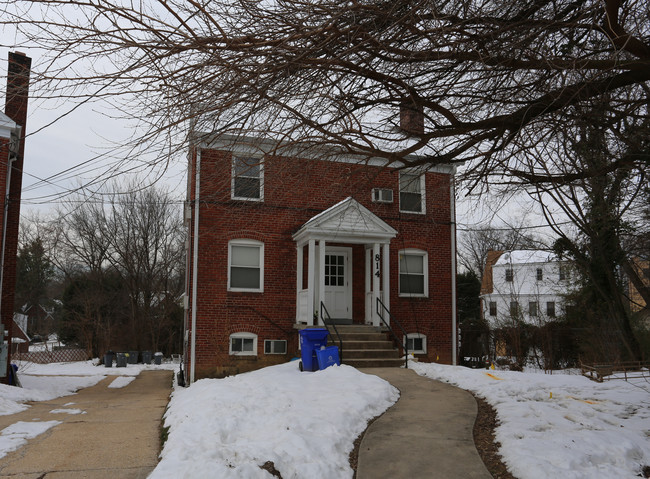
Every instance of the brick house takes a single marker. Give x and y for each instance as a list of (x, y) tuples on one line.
[(284, 239), (12, 147)]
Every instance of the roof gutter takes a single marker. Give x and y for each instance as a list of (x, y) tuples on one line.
[(454, 326), (195, 263)]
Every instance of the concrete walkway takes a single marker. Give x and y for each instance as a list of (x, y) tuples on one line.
[(427, 433), (117, 437)]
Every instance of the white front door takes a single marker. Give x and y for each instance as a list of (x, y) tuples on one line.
[(338, 283)]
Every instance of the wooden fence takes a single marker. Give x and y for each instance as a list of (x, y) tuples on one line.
[(621, 370), (56, 356)]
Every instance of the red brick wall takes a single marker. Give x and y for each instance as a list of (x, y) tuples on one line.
[(15, 108), (294, 191)]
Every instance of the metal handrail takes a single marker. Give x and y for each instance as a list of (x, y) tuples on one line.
[(329, 320), (380, 306)]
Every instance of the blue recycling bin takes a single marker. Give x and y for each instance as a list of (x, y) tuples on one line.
[(310, 341), (327, 357)]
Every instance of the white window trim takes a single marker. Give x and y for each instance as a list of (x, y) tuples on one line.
[(423, 196), (275, 341), (246, 242), (232, 179), (425, 271), (424, 342), (244, 335)]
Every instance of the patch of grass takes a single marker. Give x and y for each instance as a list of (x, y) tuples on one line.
[(164, 435)]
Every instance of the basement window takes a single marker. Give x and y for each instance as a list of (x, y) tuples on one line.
[(416, 343), (275, 346), (243, 344)]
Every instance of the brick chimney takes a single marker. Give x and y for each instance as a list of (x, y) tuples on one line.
[(411, 118), (18, 72)]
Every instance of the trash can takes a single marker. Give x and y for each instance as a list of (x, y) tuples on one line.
[(327, 357), (311, 339), (120, 360), (146, 357), (157, 358), (133, 357), (108, 359)]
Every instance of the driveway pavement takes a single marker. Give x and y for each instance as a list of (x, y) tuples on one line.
[(117, 437)]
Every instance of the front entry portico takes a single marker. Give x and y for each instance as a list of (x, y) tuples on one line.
[(324, 271)]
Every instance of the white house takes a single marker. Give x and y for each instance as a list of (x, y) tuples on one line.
[(526, 285)]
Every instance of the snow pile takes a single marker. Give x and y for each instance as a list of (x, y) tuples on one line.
[(41, 388), (67, 411), (303, 422), (561, 425), (16, 435), (42, 382), (121, 382)]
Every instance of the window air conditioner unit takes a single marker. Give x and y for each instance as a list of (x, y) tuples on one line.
[(382, 195)]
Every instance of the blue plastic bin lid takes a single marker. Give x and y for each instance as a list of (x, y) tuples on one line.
[(314, 333)]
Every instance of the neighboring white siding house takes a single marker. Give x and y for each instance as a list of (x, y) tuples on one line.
[(523, 284)]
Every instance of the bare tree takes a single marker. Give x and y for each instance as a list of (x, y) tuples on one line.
[(500, 86), (121, 252), (602, 210), (474, 244), (493, 80), (146, 231)]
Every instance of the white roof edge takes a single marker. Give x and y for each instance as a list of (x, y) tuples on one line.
[(311, 228), (256, 145), (7, 126), (527, 257)]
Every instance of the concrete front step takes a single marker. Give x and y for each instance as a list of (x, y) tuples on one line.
[(358, 336), (354, 328), (370, 354), (374, 363), (365, 346), (361, 344)]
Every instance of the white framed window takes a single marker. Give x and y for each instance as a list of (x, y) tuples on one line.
[(247, 179), (413, 277), (243, 344), (532, 308), (540, 274), (514, 309), (246, 265), (416, 343), (493, 308), (275, 346), (411, 193), (550, 309), (509, 275)]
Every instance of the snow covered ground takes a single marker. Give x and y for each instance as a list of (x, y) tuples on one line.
[(42, 382), (556, 425), (561, 425)]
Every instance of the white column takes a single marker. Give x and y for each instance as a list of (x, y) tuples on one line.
[(321, 277), (376, 262), (385, 277), (368, 303), (299, 260), (311, 264)]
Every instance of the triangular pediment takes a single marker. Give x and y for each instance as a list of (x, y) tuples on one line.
[(348, 222)]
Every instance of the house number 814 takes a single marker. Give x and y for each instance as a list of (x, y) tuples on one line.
[(377, 258)]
